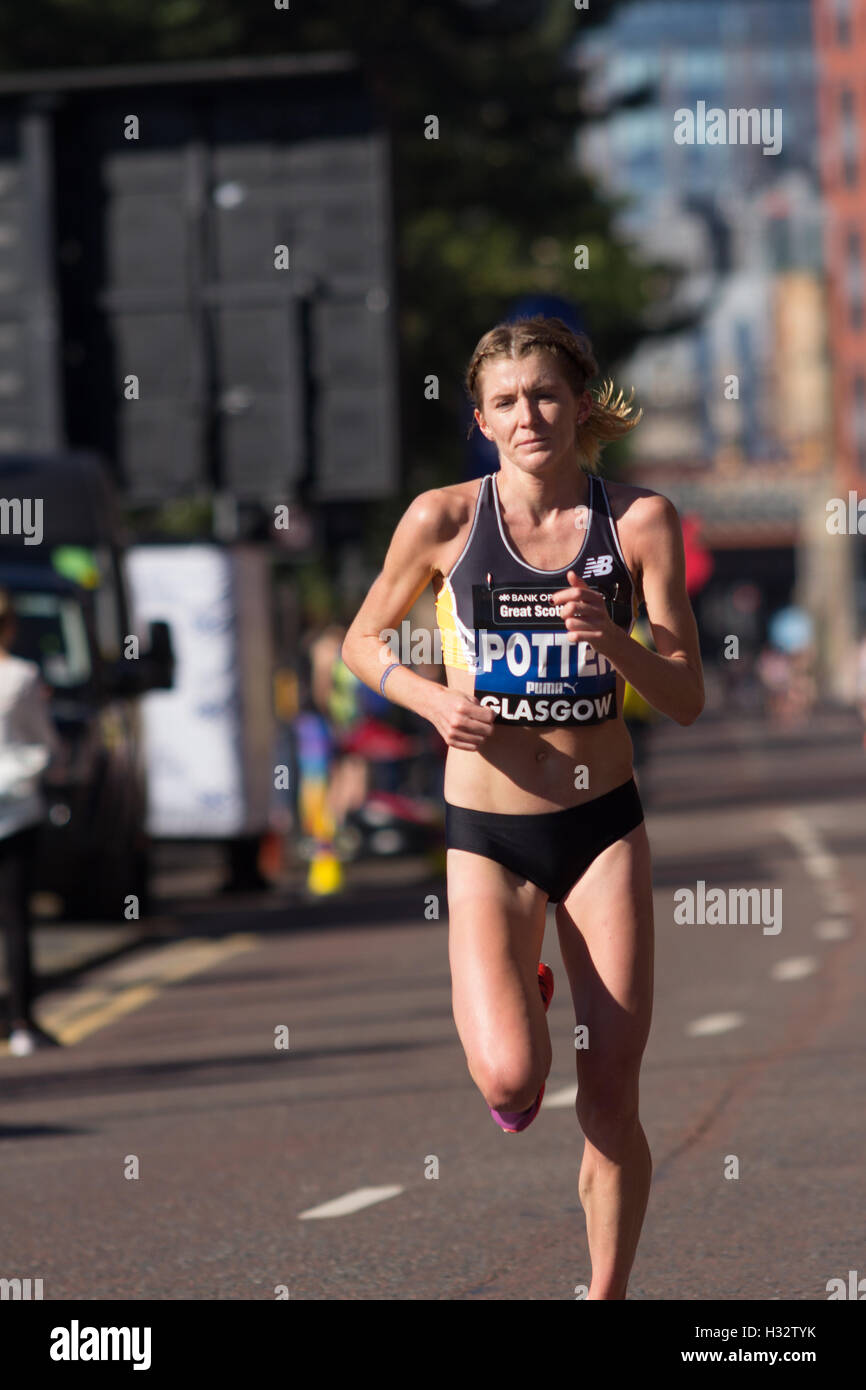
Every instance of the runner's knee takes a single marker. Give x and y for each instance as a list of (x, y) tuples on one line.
[(510, 1087), (608, 1100)]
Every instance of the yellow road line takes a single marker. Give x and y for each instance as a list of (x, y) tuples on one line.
[(83, 1013), (99, 1016)]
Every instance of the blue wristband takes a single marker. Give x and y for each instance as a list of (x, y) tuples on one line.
[(386, 675)]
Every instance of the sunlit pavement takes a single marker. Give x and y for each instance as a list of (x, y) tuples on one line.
[(359, 1161)]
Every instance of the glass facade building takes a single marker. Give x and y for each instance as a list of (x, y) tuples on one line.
[(742, 227)]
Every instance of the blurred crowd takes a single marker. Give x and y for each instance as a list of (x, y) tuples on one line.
[(366, 774)]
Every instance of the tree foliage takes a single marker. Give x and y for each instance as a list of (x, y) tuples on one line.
[(489, 212)]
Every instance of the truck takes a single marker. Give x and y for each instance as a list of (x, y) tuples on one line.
[(63, 562)]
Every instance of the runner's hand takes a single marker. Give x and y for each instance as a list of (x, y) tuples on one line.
[(585, 614), (462, 720)]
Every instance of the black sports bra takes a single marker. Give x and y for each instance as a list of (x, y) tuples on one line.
[(496, 618)]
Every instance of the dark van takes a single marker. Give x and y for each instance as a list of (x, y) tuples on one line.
[(62, 560)]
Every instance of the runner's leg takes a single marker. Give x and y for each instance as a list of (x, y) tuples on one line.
[(606, 935), (495, 934)]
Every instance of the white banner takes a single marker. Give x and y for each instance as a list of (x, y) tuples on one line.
[(200, 781)]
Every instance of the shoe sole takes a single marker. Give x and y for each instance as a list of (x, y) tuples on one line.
[(531, 1118)]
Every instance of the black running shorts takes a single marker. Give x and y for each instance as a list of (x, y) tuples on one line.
[(552, 849)]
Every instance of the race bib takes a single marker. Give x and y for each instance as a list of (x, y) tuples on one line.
[(527, 670)]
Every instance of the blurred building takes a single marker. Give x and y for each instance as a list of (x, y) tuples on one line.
[(739, 398), (840, 29), (731, 218), (840, 32), (196, 281)]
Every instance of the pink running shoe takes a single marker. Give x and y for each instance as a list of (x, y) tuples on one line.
[(513, 1121), (545, 984)]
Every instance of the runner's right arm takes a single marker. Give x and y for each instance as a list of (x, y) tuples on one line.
[(410, 564)]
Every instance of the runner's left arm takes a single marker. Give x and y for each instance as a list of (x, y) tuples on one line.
[(670, 678)]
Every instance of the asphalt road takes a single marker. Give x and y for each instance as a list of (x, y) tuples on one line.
[(756, 1051)]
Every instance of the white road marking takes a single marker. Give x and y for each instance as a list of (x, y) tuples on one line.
[(837, 900), (821, 865), (566, 1095), (825, 870), (832, 929), (794, 968), (349, 1202), (803, 833), (819, 861), (711, 1024)]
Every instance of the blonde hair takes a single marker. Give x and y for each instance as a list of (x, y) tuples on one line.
[(610, 417)]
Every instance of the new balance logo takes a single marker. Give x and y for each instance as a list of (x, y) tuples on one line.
[(599, 564)]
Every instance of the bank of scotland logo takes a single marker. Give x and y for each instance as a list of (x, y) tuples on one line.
[(598, 564)]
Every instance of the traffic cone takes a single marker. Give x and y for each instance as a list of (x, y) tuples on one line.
[(325, 873)]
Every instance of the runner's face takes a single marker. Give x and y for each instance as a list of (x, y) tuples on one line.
[(530, 411)]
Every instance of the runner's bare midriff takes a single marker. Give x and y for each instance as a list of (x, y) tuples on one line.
[(525, 770)]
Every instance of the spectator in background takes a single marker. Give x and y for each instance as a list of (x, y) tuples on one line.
[(774, 672), (335, 694), (787, 667), (314, 755), (28, 742)]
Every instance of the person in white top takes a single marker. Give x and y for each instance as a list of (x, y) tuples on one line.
[(28, 743)]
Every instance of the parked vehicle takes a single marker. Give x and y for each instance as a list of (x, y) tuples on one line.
[(68, 587)]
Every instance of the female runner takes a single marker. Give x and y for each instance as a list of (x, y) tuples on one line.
[(539, 571)]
